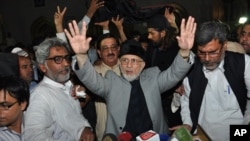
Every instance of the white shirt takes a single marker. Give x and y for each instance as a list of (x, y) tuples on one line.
[(53, 114), (219, 108)]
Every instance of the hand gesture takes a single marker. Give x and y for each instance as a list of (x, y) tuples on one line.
[(58, 19), (94, 5), (169, 15), (79, 42), (187, 34), (104, 24), (118, 22)]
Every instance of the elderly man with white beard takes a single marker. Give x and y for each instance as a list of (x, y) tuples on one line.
[(133, 99)]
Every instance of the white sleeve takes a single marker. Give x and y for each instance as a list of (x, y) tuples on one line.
[(85, 19), (247, 82), (185, 111), (62, 36)]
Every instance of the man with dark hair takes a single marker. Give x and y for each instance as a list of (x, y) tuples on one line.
[(245, 37), (217, 89), (161, 53), (14, 99)]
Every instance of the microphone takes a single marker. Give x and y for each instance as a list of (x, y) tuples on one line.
[(152, 136), (125, 136), (148, 136), (109, 137)]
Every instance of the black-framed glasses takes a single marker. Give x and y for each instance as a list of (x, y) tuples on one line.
[(106, 48), (6, 106), (210, 54), (125, 61), (59, 59)]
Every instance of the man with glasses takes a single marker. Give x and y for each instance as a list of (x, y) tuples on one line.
[(108, 50), (14, 99), (217, 90), (133, 99), (53, 113)]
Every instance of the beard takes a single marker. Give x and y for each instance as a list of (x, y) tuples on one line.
[(130, 77), (211, 65), (60, 76), (158, 43)]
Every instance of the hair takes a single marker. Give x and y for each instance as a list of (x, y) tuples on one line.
[(16, 87), (105, 36), (208, 31), (246, 23), (42, 50)]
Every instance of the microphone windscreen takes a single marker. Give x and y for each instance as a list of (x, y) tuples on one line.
[(109, 137), (148, 136), (125, 136)]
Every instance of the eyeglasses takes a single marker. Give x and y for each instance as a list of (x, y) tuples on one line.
[(210, 54), (106, 48), (59, 59), (125, 61), (6, 106)]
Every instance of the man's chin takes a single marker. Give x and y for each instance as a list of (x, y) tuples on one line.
[(211, 67)]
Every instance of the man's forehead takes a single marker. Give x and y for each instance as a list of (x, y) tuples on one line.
[(3, 95), (130, 56), (108, 41), (246, 28)]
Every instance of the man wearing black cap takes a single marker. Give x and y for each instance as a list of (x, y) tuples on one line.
[(133, 99), (162, 53)]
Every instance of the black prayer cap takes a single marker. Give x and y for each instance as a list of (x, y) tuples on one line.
[(160, 22), (9, 65), (132, 47)]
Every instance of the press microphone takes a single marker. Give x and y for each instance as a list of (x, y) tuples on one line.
[(152, 136), (125, 136), (109, 137)]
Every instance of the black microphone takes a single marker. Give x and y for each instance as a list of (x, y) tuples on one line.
[(109, 137), (125, 136)]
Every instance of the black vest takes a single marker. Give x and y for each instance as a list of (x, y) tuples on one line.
[(234, 65)]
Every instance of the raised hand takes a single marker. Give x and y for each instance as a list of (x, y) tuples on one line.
[(118, 22), (169, 15), (187, 34), (58, 19), (94, 5), (79, 42), (103, 24)]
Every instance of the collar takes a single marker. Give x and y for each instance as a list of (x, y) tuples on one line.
[(111, 68), (220, 67), (53, 83)]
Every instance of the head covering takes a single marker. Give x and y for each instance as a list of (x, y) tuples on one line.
[(132, 47), (160, 22), (9, 64), (19, 51)]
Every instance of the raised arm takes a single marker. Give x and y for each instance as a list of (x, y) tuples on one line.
[(186, 38), (118, 23), (169, 14), (94, 5), (58, 19), (79, 42)]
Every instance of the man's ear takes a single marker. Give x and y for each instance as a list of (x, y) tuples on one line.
[(163, 33), (24, 105), (225, 45), (42, 68), (143, 65), (99, 53)]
